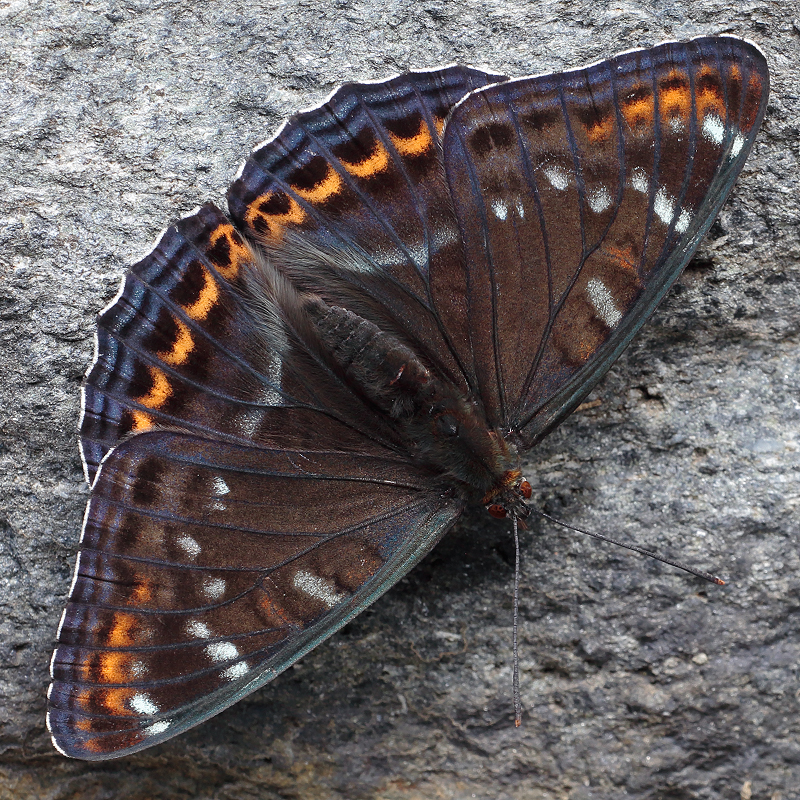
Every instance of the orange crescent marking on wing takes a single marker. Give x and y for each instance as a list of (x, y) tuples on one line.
[(141, 421), (710, 99), (116, 700), (160, 392), (114, 667), (624, 258), (121, 633), (750, 103), (322, 190), (371, 165), (587, 347), (675, 101), (275, 222), (439, 123), (100, 745), (142, 593), (272, 608), (209, 295), (181, 348), (238, 250), (638, 110), (113, 699), (755, 82), (601, 128), (415, 145)]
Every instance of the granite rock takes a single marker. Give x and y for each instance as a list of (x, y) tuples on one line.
[(638, 681)]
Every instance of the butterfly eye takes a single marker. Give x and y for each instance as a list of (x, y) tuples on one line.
[(525, 489), (497, 511), (447, 425)]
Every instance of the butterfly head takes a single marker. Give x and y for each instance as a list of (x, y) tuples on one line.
[(511, 497)]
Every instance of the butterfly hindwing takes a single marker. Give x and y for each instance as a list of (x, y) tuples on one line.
[(580, 197), (208, 567)]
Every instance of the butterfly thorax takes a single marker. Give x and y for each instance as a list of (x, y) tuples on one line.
[(437, 424)]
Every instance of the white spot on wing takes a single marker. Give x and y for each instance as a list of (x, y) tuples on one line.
[(558, 177), (222, 651), (214, 588), (317, 587), (738, 144), (220, 489), (156, 728), (443, 235), (676, 124), (235, 671), (142, 704), (269, 397), (198, 629), (664, 206), (599, 199), (248, 422), (500, 209), (684, 219), (189, 545), (520, 209), (640, 181), (138, 669), (713, 129), (603, 302)]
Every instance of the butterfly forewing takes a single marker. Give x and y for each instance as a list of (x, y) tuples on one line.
[(176, 347), (181, 347), (208, 567), (580, 198), (360, 181)]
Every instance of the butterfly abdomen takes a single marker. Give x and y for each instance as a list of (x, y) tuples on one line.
[(439, 425), (375, 364)]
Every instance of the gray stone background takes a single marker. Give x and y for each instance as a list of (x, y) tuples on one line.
[(638, 681)]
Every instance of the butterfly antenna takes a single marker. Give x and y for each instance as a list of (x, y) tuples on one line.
[(515, 679), (706, 576)]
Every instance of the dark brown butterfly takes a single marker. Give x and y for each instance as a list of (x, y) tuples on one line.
[(418, 280)]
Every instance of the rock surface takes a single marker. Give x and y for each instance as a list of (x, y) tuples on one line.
[(638, 681)]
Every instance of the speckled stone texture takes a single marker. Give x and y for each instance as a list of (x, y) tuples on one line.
[(638, 681)]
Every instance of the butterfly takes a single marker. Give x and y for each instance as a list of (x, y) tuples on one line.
[(291, 404)]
